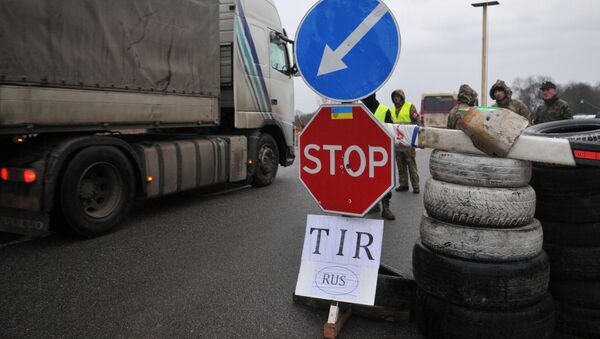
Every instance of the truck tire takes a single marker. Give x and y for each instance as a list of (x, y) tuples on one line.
[(575, 130), (573, 263), (267, 161), (480, 206), (576, 235), (558, 180), (498, 286), (477, 170), (578, 321), (438, 319), (584, 294), (569, 208), (482, 244), (97, 190)]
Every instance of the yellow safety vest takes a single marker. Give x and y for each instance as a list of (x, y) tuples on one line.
[(381, 112), (404, 116)]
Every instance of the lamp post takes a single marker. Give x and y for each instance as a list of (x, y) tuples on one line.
[(484, 49)]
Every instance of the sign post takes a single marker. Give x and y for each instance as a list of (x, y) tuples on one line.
[(345, 51)]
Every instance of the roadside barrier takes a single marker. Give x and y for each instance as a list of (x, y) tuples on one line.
[(479, 264)]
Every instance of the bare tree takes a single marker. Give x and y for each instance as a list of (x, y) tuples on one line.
[(583, 98)]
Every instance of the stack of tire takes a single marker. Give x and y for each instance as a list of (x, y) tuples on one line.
[(479, 264), (568, 206)]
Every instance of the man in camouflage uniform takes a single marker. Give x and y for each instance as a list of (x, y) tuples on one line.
[(553, 108), (405, 113), (503, 96), (467, 97)]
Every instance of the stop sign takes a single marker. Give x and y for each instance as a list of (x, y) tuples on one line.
[(346, 159)]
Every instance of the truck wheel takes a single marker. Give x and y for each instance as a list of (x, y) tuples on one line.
[(97, 190), (267, 161)]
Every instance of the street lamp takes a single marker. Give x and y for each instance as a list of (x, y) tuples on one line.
[(484, 49)]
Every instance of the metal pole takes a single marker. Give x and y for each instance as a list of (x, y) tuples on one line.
[(484, 59), (484, 51)]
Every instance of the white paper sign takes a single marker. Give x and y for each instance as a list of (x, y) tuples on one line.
[(340, 259)]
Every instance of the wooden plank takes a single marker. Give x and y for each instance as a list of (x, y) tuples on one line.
[(332, 330)]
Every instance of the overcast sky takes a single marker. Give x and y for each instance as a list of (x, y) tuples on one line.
[(441, 44)]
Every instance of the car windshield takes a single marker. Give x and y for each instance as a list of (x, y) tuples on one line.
[(438, 103)]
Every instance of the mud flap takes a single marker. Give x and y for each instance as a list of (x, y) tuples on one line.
[(35, 224)]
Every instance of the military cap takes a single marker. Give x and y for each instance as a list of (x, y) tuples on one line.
[(547, 85)]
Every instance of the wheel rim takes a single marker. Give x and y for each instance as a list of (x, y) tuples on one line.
[(99, 190), (267, 160)]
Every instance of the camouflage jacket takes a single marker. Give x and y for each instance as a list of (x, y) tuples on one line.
[(553, 110), (467, 97), (509, 103), (518, 107), (456, 114)]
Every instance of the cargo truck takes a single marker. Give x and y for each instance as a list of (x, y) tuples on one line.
[(103, 102)]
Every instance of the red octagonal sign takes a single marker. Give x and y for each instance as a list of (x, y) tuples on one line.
[(346, 159)]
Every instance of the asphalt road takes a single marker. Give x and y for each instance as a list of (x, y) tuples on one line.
[(218, 265)]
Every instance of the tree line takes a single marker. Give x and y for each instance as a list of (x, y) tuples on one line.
[(582, 98)]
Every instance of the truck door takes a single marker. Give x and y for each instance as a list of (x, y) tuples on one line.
[(282, 82)]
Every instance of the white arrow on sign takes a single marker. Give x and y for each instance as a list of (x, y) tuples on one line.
[(332, 60)]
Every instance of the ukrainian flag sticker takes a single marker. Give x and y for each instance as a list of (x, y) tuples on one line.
[(341, 113)]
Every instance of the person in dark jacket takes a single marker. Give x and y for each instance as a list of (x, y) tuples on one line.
[(553, 108), (503, 96), (383, 114)]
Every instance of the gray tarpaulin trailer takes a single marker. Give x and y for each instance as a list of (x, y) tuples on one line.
[(104, 101), (90, 63)]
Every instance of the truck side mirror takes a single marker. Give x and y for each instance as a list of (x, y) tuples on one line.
[(294, 71)]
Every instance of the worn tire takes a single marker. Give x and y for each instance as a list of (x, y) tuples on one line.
[(482, 244), (393, 290), (96, 190), (481, 285), (584, 294), (576, 130), (558, 181), (479, 206), (477, 170), (578, 321), (267, 161), (438, 319), (573, 263), (576, 235)]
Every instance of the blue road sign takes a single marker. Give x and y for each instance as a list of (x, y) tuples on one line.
[(347, 49)]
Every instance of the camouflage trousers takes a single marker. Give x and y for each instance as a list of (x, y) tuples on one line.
[(407, 166)]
